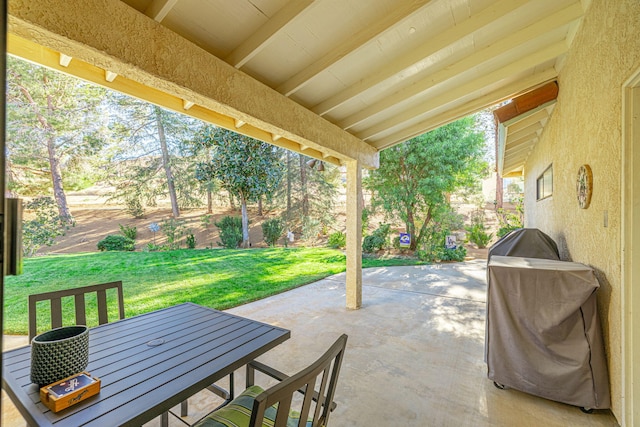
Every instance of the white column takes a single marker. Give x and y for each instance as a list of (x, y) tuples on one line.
[(354, 235)]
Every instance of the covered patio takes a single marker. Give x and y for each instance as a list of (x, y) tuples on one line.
[(340, 81), (415, 352)]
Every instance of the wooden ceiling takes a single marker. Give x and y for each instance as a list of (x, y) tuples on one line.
[(520, 125), (383, 71)]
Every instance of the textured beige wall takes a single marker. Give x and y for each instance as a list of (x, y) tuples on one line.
[(586, 128)]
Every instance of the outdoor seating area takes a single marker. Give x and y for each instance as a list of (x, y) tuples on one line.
[(414, 356)]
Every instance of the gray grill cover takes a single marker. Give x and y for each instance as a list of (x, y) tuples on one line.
[(526, 242), (543, 331)]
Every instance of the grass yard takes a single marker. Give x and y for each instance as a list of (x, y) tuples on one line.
[(218, 278)]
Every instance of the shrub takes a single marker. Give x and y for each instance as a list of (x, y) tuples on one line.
[(230, 231), (129, 231), (116, 242), (378, 240), (272, 230), (503, 231), (478, 235), (191, 241), (134, 207), (511, 220), (152, 247), (337, 240), (44, 228), (442, 254), (173, 229)]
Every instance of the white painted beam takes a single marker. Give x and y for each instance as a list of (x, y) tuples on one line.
[(508, 42), (93, 33), (488, 16), (159, 9), (261, 38), (343, 49), (523, 64), (503, 93)]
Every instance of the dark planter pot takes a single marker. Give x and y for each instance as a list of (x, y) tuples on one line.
[(59, 353)]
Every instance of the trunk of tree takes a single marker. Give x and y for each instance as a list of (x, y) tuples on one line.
[(245, 223), (166, 165), (423, 229), (288, 216), (303, 187), (260, 206), (56, 181), (232, 202), (54, 162), (411, 229), (209, 201)]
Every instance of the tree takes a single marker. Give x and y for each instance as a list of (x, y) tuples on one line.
[(53, 122), (414, 177), (155, 156), (245, 167)]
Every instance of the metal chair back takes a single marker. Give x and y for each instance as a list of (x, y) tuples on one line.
[(326, 369), (55, 299)]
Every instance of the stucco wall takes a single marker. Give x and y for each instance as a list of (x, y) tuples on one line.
[(586, 129)]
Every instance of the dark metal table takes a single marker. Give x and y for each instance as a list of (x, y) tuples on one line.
[(140, 379)]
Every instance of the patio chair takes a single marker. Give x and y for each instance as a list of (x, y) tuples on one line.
[(55, 299), (256, 407)]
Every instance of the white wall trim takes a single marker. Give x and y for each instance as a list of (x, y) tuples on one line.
[(630, 251)]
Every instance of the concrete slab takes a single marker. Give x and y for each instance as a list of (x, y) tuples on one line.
[(415, 351), (414, 356)]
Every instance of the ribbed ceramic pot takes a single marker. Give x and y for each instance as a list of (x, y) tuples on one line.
[(59, 353)]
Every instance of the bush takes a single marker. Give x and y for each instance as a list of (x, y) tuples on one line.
[(230, 231), (173, 229), (378, 240), (134, 207), (44, 228), (129, 231), (191, 241), (478, 235), (337, 240), (116, 242), (272, 230), (503, 231), (442, 254)]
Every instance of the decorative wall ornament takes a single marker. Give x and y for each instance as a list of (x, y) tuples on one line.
[(584, 186)]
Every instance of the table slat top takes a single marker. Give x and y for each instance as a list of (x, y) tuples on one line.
[(140, 379)]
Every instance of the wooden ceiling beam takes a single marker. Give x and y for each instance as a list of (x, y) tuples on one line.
[(509, 42), (527, 102), (261, 38), (540, 116), (343, 49), (521, 65), (93, 33), (499, 95), (486, 17), (159, 9)]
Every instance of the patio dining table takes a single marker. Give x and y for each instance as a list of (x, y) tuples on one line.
[(147, 364)]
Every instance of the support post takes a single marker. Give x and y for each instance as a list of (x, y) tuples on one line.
[(354, 234)]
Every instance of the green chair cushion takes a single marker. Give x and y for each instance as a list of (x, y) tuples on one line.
[(238, 413)]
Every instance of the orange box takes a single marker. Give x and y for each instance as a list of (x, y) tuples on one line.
[(69, 391)]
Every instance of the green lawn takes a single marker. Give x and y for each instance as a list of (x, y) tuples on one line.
[(218, 278)]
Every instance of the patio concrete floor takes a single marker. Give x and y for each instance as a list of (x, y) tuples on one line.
[(414, 355)]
